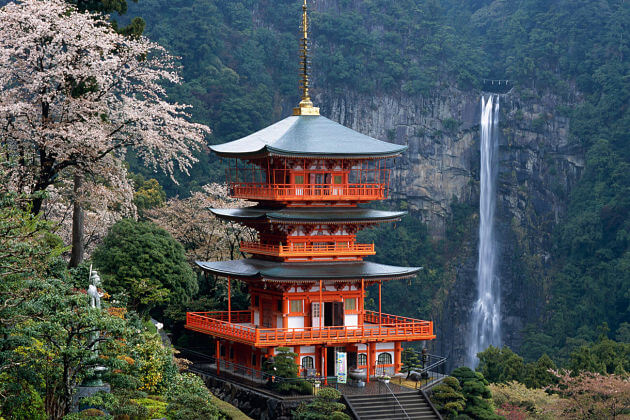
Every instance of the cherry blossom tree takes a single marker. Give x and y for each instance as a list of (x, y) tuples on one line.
[(202, 234), (591, 396), (75, 96)]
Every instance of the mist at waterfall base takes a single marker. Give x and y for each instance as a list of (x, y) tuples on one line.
[(485, 320)]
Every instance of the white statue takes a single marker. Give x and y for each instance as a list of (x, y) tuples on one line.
[(95, 296)]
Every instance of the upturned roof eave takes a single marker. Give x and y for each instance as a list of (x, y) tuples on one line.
[(273, 215), (259, 270), (269, 151)]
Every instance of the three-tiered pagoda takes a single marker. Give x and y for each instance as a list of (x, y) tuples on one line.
[(306, 276)]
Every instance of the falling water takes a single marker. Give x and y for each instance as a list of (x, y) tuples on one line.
[(486, 317)]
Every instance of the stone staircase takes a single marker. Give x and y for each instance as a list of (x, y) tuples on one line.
[(385, 407)]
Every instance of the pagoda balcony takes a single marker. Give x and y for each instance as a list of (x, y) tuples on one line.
[(237, 326), (309, 192), (304, 250)]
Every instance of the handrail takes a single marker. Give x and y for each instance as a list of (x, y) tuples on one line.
[(392, 327), (397, 402), (307, 250), (308, 191)]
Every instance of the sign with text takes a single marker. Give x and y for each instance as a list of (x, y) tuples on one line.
[(341, 367)]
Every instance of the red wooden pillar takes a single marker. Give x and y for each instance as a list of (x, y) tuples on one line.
[(218, 356), (370, 360), (326, 373), (318, 359), (397, 356), (321, 305), (379, 308), (229, 291), (361, 304), (296, 350), (285, 312)]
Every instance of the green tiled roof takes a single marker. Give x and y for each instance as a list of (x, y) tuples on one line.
[(322, 214), (308, 136), (252, 268)]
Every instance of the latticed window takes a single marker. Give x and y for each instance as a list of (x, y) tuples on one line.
[(308, 362), (350, 304), (315, 309), (362, 359), (295, 306), (384, 359)]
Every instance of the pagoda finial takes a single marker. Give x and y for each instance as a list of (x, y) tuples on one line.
[(306, 105)]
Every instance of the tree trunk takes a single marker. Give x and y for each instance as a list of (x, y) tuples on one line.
[(78, 216)]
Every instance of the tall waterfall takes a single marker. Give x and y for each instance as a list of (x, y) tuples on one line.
[(485, 328)]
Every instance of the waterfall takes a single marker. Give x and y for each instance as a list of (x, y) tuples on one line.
[(485, 324)]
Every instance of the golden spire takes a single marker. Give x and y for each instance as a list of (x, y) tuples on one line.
[(306, 105)]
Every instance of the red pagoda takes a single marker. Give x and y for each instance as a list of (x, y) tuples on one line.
[(306, 274)]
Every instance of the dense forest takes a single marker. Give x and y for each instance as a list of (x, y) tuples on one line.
[(145, 210)]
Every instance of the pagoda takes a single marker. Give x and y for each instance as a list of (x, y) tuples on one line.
[(307, 275)]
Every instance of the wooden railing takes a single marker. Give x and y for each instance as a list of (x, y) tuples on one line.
[(291, 192), (392, 327), (304, 250)]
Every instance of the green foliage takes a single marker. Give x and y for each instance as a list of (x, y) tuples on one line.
[(21, 400), (148, 193), (448, 397), (189, 398), (325, 406), (407, 243), (606, 357), (143, 262), (410, 360), (283, 366), (539, 374), (535, 402), (477, 394), (500, 365)]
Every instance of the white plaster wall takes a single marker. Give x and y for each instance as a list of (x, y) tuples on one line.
[(307, 349), (296, 322), (384, 346), (351, 320), (279, 321)]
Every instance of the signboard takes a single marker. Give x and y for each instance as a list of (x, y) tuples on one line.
[(341, 367)]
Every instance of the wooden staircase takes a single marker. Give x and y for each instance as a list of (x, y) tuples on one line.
[(405, 405)]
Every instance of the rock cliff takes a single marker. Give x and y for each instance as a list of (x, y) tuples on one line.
[(538, 167)]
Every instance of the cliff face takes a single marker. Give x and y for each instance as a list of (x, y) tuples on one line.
[(538, 166)]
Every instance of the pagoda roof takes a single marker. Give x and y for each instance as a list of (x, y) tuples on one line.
[(292, 214), (308, 136), (255, 269)]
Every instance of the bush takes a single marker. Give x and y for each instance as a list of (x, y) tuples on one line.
[(325, 406), (145, 264), (188, 398), (515, 394)]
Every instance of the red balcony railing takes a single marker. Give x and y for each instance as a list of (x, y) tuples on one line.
[(309, 192), (392, 327), (309, 250)]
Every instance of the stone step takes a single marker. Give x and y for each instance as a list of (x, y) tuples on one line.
[(381, 407)]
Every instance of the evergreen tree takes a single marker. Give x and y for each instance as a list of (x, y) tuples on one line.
[(143, 263), (477, 394), (448, 397), (501, 365), (326, 406)]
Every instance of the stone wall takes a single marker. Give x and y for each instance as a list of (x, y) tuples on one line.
[(256, 404)]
